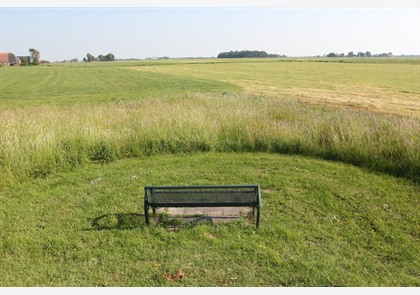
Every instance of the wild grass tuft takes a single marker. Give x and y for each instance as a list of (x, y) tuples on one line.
[(37, 141)]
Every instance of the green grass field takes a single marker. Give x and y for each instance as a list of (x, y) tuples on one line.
[(334, 145), (323, 224)]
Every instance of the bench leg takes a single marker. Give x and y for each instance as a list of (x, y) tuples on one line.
[(258, 216), (146, 212), (154, 211)]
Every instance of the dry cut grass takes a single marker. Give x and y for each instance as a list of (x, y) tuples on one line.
[(391, 86)]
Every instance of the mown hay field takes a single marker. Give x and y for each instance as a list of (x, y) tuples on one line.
[(378, 85)]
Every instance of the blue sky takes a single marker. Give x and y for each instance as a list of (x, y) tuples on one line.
[(62, 33)]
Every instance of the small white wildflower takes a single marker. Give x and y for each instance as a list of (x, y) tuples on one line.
[(96, 181)]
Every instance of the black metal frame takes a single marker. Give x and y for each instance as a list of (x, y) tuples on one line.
[(150, 198)]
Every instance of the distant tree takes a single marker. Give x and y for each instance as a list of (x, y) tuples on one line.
[(109, 57), (331, 54), (361, 54), (89, 57), (368, 54), (34, 56), (101, 57), (24, 61), (351, 54), (74, 60)]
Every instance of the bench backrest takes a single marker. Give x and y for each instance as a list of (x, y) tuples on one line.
[(205, 196)]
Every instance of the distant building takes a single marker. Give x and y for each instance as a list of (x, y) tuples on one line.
[(9, 59)]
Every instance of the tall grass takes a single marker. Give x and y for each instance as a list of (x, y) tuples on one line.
[(37, 141)]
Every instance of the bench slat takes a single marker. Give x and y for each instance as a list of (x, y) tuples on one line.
[(197, 204), (204, 197), (229, 186)]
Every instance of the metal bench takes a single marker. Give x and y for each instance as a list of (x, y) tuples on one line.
[(202, 196)]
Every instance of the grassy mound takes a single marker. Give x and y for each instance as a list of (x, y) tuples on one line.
[(323, 224)]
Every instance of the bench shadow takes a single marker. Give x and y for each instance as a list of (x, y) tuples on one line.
[(120, 221), (130, 221), (177, 221)]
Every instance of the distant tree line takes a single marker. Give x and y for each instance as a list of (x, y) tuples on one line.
[(89, 57), (359, 54), (161, 57), (246, 53)]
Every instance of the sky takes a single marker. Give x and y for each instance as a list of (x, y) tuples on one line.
[(190, 30)]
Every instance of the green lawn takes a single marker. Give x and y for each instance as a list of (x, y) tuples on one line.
[(323, 224), (68, 84)]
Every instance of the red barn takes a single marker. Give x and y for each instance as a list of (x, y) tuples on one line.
[(8, 59)]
